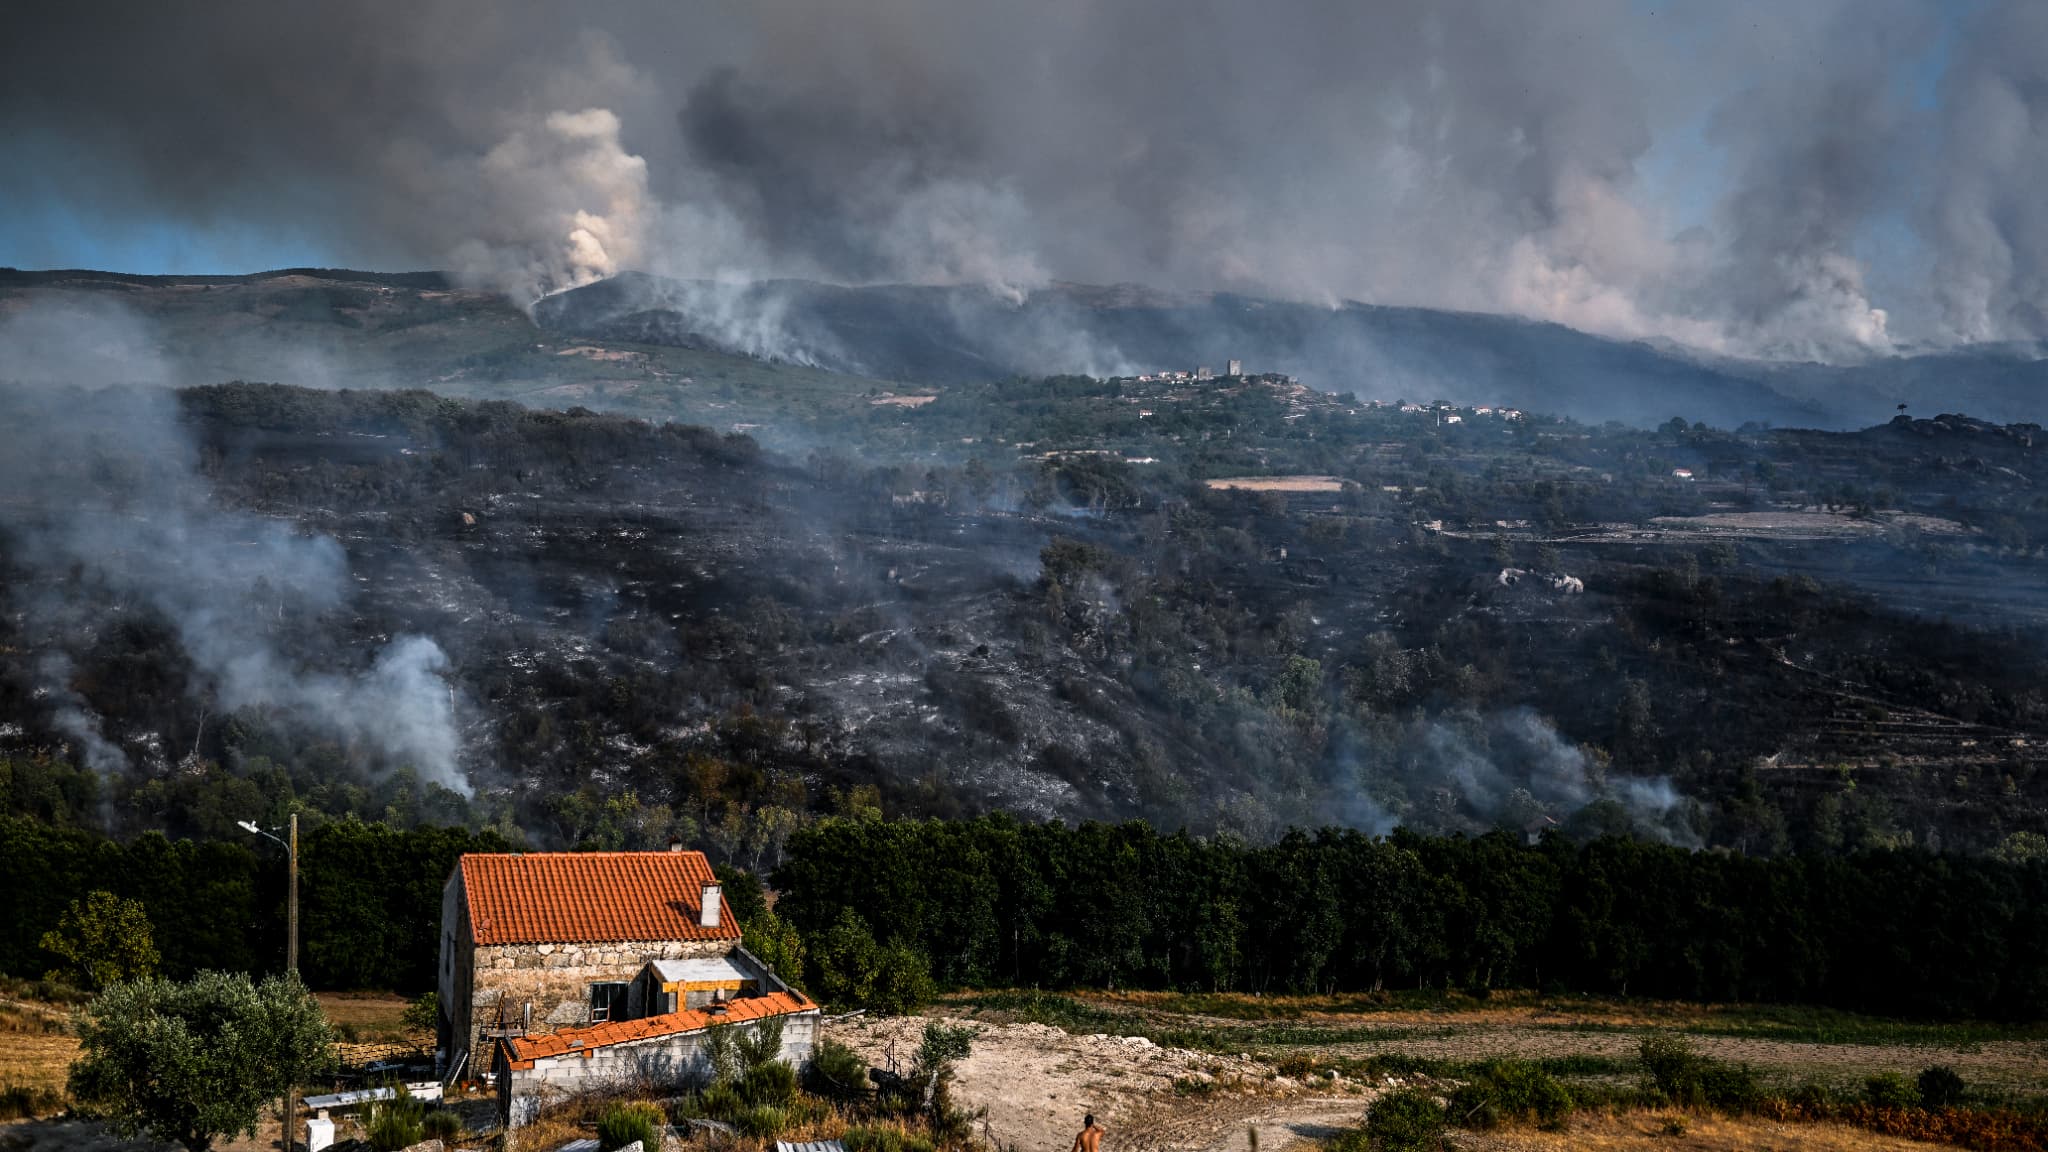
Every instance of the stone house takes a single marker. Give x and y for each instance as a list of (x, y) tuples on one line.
[(547, 953), (660, 1050)]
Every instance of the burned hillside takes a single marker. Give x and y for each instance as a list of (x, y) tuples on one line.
[(645, 630)]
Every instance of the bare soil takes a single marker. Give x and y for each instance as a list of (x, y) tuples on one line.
[(1279, 483), (1037, 1082)]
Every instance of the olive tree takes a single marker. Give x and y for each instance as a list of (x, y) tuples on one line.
[(194, 1061), (101, 940)]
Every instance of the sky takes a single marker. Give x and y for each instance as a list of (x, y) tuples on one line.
[(1825, 179)]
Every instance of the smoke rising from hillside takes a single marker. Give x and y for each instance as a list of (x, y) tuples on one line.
[(1724, 176), (108, 496), (1508, 769)]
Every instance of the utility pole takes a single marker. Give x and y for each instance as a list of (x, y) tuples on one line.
[(291, 948), (291, 963)]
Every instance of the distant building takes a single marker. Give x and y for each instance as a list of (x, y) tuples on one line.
[(1202, 373), (1682, 473), (1233, 367)]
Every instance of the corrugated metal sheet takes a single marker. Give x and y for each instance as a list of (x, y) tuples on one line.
[(809, 1146)]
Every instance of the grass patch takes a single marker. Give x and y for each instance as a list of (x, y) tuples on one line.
[(1063, 1012), (19, 1102), (1072, 1014)]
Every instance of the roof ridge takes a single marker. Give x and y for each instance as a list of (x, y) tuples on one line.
[(581, 854)]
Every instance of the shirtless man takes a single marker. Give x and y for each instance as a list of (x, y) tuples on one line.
[(1090, 1139)]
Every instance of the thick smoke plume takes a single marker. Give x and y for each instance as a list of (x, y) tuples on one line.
[(105, 492), (1831, 179)]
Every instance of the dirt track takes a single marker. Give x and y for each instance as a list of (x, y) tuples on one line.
[(1037, 1082)]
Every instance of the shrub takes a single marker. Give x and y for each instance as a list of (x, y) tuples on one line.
[(422, 1013), (1813, 1099), (721, 1102), (1408, 1120), (399, 1122), (1296, 1065), (1192, 1086), (622, 1124), (18, 1103), (1670, 1063), (1730, 1087), (1890, 1090), (446, 1127), (884, 1140), (837, 1072), (762, 1123), (769, 1084), (759, 1044), (1690, 1080), (1940, 1087), (1510, 1091)]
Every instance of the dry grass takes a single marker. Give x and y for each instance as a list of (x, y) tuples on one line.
[(1644, 1131), (37, 1060), (902, 401), (1279, 483), (371, 1015)]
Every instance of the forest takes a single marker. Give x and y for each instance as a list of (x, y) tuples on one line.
[(999, 902)]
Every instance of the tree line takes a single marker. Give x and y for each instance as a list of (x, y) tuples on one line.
[(369, 898), (998, 902)]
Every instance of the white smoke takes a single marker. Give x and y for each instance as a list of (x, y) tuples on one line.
[(1468, 772), (106, 492), (560, 204)]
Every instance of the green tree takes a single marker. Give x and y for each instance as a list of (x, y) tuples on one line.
[(775, 941), (845, 961), (192, 1062), (101, 941), (903, 983), (2021, 848), (422, 1013)]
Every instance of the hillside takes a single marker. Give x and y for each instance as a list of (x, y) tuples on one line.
[(940, 336), (788, 359), (590, 629), (329, 328)]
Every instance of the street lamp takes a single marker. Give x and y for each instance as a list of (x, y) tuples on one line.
[(291, 852), (291, 947)]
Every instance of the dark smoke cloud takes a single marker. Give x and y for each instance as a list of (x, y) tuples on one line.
[(1461, 153)]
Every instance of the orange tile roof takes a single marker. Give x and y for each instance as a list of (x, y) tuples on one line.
[(524, 1050), (590, 897)]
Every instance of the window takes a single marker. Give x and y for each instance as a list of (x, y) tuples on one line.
[(607, 1002)]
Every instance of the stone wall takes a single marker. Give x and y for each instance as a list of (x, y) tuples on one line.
[(556, 978)]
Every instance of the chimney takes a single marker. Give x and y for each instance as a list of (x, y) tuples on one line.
[(675, 845), (708, 918)]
